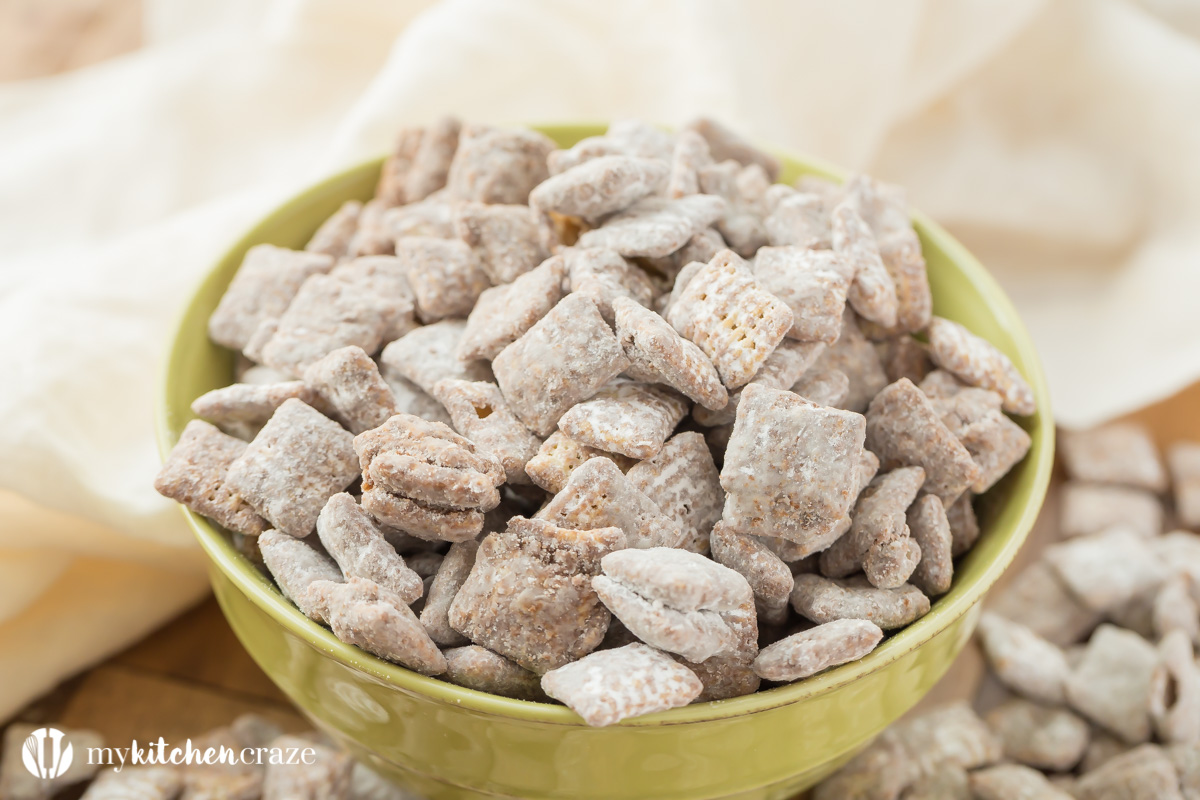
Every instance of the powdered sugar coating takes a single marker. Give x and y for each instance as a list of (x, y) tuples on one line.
[(1052, 739), (680, 579), (879, 517), (428, 355), (727, 144), (597, 495), (480, 413), (298, 460), (786, 364), (809, 652), (690, 156), (1024, 661), (657, 353), (1183, 458), (1089, 508), (366, 615), (824, 387), (930, 529), (800, 219), (604, 276), (611, 685), (854, 355), (563, 359), (480, 669), (1175, 690), (977, 362), (451, 574), (685, 485), (505, 238), (823, 600), (195, 475), (504, 313), (295, 565), (333, 237), (360, 550), (769, 577), (262, 289), (433, 217), (626, 417), (529, 595), (903, 429), (446, 275), (420, 520), (431, 161), (601, 186), (655, 226), (497, 165), (731, 318), (696, 635), (1107, 570), (348, 382), (1111, 685), (791, 467), (559, 456), (813, 283), (873, 292)]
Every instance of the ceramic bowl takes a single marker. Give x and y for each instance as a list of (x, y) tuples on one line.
[(443, 741)]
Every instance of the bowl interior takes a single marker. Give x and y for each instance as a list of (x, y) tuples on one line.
[(962, 290)]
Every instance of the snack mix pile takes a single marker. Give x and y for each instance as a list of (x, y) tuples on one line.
[(627, 425), (1094, 687)]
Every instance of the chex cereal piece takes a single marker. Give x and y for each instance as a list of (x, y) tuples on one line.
[(640, 138), (1121, 453), (603, 276), (136, 783), (360, 550), (1008, 781), (327, 313), (262, 289), (411, 400), (297, 461), (195, 474), (1175, 690), (1089, 508), (678, 601), (901, 254), (1177, 607), (1107, 570), (446, 275), (700, 248), (685, 485), (1184, 461), (373, 237), (430, 463), (769, 577), (563, 359), (1111, 685), (597, 495), (480, 669), (995, 442), (333, 237), (611, 685), (394, 173), (1038, 599), (376, 619), (879, 516), (253, 351), (387, 277), (813, 283), (1048, 738), (480, 413), (977, 362), (854, 355), (724, 676), (892, 559), (690, 156), (809, 652), (731, 318), (930, 529), (903, 356), (743, 189), (1181, 550), (904, 429), (246, 371), (1186, 760), (626, 417), (559, 456), (325, 773), (428, 355), (505, 237), (822, 600), (431, 161), (529, 596), (945, 782), (786, 364), (872, 292), (802, 220), (725, 144), (655, 226), (433, 217), (964, 526), (791, 467), (599, 187), (1022, 660), (497, 165), (348, 383), (1143, 772), (881, 771), (953, 734), (658, 354), (504, 313), (451, 574), (295, 564), (824, 387), (18, 783)]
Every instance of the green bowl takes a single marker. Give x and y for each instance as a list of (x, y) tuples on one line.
[(444, 741)]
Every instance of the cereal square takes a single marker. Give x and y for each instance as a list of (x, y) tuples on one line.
[(977, 362), (855, 356), (813, 283), (504, 313), (479, 412), (496, 165), (348, 382), (559, 456), (195, 474), (429, 354), (241, 409), (685, 485), (1121, 453), (626, 417), (445, 274), (657, 353), (656, 226), (505, 237), (601, 186)]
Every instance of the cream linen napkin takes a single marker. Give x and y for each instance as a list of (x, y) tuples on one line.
[(1060, 140)]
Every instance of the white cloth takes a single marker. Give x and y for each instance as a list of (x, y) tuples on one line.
[(1060, 141)]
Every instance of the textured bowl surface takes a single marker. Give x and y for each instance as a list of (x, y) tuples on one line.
[(444, 741)]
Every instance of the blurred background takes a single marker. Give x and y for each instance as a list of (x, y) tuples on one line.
[(1059, 140)]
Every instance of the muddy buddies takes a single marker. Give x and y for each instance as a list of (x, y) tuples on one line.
[(630, 426), (1094, 687)]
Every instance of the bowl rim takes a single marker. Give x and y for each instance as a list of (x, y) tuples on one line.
[(956, 603)]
